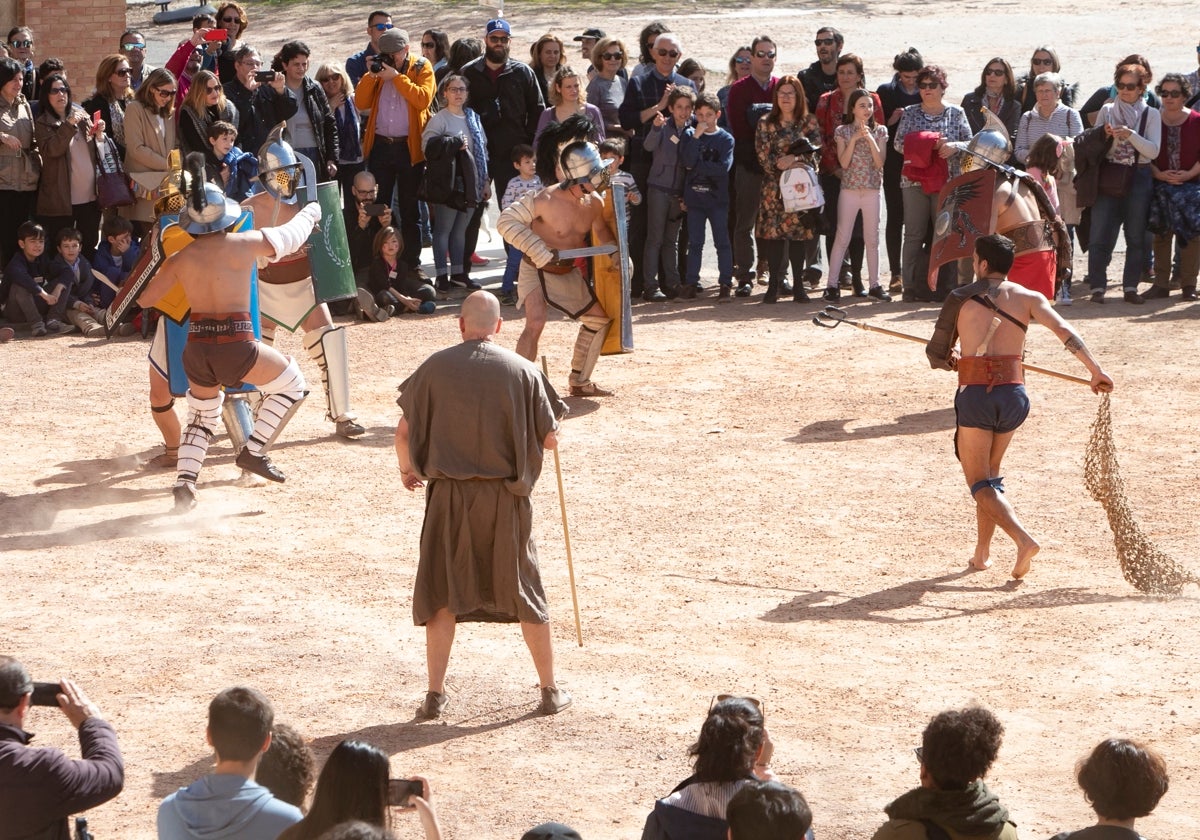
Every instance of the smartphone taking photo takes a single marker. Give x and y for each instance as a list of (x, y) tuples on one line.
[(400, 791), (45, 694)]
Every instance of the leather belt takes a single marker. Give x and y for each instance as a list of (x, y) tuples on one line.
[(379, 138), (221, 329), (990, 371)]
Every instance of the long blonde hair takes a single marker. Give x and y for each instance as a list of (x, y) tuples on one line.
[(196, 100)]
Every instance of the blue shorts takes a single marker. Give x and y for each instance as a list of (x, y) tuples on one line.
[(1002, 410)]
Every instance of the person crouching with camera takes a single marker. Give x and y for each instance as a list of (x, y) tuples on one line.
[(40, 786), (397, 90)]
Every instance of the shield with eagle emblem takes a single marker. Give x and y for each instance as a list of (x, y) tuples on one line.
[(964, 213)]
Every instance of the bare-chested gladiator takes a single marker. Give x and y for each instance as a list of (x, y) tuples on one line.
[(221, 349), (561, 218), (989, 318)]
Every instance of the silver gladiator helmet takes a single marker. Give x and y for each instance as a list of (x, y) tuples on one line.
[(208, 209), (279, 169), (991, 145), (581, 164)]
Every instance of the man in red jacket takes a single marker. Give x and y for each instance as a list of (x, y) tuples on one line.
[(41, 787)]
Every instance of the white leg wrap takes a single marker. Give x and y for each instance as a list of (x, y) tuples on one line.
[(238, 419), (516, 226), (588, 344), (204, 419), (282, 395), (329, 348)]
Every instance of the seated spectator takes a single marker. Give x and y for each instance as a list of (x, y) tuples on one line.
[(361, 228), (115, 257), (353, 785), (1123, 780), (288, 768), (225, 164), (733, 749), (67, 190), (204, 104), (229, 802), (957, 748), (551, 831), (768, 811), (32, 298), (39, 786), (71, 269), (396, 287)]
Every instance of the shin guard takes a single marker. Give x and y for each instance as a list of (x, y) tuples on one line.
[(588, 344), (328, 347), (204, 419), (238, 419), (282, 395)]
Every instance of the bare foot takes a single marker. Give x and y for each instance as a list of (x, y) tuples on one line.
[(1024, 558), (981, 565)]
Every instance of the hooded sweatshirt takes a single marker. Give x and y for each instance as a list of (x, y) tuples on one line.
[(975, 812), (224, 805)]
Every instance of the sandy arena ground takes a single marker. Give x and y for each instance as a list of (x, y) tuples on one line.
[(765, 507)]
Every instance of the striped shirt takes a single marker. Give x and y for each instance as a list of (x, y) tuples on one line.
[(1063, 121)]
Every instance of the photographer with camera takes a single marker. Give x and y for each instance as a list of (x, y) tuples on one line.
[(397, 90), (261, 97), (39, 786)]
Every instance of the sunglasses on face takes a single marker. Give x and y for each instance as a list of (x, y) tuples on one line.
[(381, 27), (825, 42), (764, 54), (1170, 93), (668, 53), (928, 85), (212, 88), (323, 79), (425, 45), (128, 47), (1129, 86), (124, 71), (165, 91), (22, 43), (994, 71), (231, 20), (612, 56), (64, 91), (1048, 61), (741, 59), (498, 39)]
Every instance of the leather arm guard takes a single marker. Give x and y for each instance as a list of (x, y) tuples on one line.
[(288, 238), (945, 331), (514, 225)]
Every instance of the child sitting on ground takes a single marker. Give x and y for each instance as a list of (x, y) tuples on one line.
[(396, 287), (526, 182), (70, 269), (226, 164), (32, 298)]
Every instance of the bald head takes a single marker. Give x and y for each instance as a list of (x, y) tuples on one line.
[(480, 318), (364, 181)]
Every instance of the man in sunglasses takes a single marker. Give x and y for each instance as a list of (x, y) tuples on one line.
[(821, 76), (260, 105), (646, 96), (378, 22), (133, 47), (20, 48)]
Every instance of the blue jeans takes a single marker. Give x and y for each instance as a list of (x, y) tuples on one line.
[(449, 234), (1108, 216), (718, 216), (512, 265)]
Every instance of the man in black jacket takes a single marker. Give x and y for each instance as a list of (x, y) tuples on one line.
[(260, 107), (507, 98), (41, 787)]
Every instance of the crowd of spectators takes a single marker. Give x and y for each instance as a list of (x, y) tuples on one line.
[(1128, 158), (262, 783)]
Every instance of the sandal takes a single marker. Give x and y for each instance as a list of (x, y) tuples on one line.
[(165, 460)]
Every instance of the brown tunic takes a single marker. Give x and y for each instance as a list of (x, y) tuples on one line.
[(477, 415)]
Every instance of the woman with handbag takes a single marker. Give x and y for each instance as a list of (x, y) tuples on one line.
[(456, 179), (1125, 183), (20, 163), (861, 146), (204, 105), (787, 138), (113, 93), (149, 139), (67, 191), (1175, 204)]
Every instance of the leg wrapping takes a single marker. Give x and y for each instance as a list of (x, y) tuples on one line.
[(996, 484), (588, 344), (282, 395), (328, 347), (204, 419)]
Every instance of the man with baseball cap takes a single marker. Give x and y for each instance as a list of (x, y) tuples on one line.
[(586, 41), (39, 786)]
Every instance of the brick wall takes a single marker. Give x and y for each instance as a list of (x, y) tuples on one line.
[(80, 33)]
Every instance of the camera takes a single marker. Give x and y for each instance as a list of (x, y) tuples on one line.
[(378, 61), (264, 77), (45, 694)]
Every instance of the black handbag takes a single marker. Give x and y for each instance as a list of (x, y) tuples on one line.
[(1116, 179), (112, 185)]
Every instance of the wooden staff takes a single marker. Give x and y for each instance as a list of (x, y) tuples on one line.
[(562, 505), (832, 316)]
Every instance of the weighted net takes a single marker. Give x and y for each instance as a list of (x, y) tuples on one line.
[(1146, 567)]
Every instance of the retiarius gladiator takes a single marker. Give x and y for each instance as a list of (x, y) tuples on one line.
[(221, 349), (543, 224)]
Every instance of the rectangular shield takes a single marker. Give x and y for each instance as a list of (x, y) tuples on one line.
[(964, 213), (329, 249)]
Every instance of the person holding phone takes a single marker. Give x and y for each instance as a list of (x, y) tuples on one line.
[(260, 96), (40, 786), (354, 785), (67, 189)]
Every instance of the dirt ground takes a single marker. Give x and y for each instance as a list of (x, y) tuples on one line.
[(765, 507)]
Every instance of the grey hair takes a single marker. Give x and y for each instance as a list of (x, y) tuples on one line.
[(1048, 79)]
